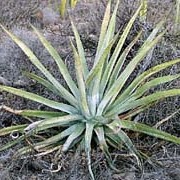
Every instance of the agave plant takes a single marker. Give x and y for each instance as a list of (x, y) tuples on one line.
[(98, 106)]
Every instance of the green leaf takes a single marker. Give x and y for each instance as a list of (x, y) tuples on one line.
[(56, 138), (102, 142), (154, 97), (88, 139), (144, 88), (34, 97), (63, 92), (108, 35), (119, 83), (139, 127), (24, 150), (62, 67), (73, 3), (144, 101), (103, 145), (135, 111), (154, 32), (177, 18), (119, 64), (62, 7), (104, 26), (49, 145), (97, 67), (42, 81), (109, 132), (11, 143), (75, 134), (80, 51), (139, 79), (113, 59), (95, 74), (52, 122), (40, 114), (8, 130), (125, 139), (143, 12), (81, 83), (160, 80)]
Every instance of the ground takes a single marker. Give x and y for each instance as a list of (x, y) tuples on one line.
[(164, 162)]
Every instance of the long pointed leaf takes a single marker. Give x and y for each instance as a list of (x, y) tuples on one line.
[(52, 122), (155, 31), (134, 112), (73, 3), (81, 82), (139, 127), (117, 50), (100, 134), (88, 139), (144, 88), (11, 143), (77, 132), (108, 35), (125, 139), (34, 97), (80, 51), (94, 71), (24, 150), (42, 81), (104, 26), (62, 67), (144, 101), (120, 63), (154, 97), (119, 83), (56, 138), (40, 114), (103, 145), (139, 79), (63, 92), (143, 12), (94, 77), (114, 140), (62, 7), (8, 130)]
